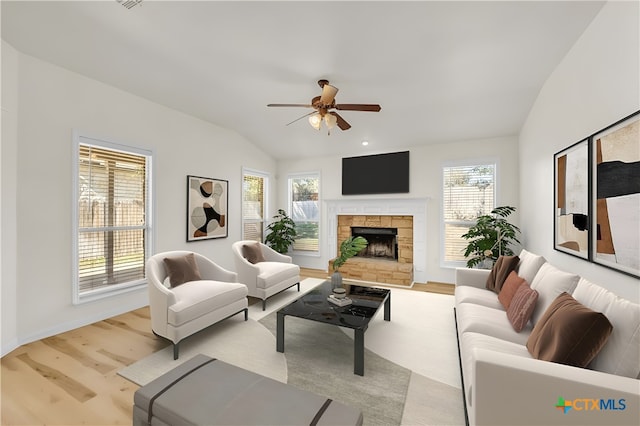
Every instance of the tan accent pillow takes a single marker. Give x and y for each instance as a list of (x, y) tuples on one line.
[(569, 333), (500, 271), (522, 306), (509, 288), (182, 269), (253, 253)]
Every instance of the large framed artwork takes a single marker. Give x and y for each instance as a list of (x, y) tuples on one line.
[(571, 193), (207, 203), (615, 231)]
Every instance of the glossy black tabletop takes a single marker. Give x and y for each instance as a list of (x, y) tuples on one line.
[(314, 305)]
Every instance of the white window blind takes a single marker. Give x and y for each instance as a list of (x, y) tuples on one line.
[(112, 219), (304, 196), (253, 205), (468, 192)]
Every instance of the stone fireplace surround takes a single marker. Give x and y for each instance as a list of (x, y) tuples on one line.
[(386, 208)]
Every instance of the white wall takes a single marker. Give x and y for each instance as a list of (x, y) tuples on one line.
[(595, 85), (8, 183), (51, 103), (425, 182)]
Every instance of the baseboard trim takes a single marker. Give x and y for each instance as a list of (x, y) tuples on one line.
[(77, 323)]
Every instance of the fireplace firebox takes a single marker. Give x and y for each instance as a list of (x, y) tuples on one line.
[(383, 242)]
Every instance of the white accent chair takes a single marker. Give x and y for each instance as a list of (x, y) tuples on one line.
[(180, 311), (264, 279)]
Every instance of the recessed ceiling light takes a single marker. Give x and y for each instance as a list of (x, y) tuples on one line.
[(365, 143)]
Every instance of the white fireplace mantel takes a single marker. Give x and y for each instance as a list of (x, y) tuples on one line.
[(416, 207)]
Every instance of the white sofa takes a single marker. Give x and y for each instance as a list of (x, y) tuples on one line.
[(503, 384)]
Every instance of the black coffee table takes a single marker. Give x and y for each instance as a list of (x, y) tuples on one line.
[(314, 306)]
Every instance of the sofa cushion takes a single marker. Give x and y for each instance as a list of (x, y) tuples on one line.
[(509, 289), (621, 354), (569, 333), (181, 269), (491, 322), (479, 296), (529, 265), (197, 298), (253, 253), (550, 282), (521, 307), (500, 271)]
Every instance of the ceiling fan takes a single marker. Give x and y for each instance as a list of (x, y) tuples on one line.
[(323, 105)]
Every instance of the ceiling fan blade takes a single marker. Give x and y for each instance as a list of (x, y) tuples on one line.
[(359, 107), (290, 105), (341, 121), (328, 94), (300, 118)]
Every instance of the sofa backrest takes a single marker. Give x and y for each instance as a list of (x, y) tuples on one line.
[(621, 354)]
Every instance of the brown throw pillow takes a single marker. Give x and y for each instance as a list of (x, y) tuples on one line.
[(509, 288), (182, 269), (253, 253), (569, 333), (500, 271), (522, 306)]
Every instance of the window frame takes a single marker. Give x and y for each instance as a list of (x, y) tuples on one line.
[(298, 175), (84, 139), (464, 163), (265, 196)]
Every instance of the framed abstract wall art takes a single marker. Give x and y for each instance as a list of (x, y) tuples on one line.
[(207, 204), (571, 194), (615, 231)]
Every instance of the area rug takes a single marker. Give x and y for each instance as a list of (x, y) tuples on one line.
[(420, 389), (320, 359)]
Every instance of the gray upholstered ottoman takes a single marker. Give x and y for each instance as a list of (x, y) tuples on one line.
[(205, 391)]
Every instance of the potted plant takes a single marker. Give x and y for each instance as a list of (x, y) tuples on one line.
[(348, 248), (490, 238), (282, 232)]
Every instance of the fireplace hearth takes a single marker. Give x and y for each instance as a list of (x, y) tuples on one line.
[(383, 242)]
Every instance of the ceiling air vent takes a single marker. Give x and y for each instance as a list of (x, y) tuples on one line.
[(129, 3)]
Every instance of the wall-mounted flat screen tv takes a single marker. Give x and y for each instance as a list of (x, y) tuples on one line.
[(376, 174)]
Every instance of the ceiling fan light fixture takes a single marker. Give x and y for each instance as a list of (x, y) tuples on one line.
[(315, 120), (330, 120)]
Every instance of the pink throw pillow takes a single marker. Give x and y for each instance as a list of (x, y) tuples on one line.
[(522, 306)]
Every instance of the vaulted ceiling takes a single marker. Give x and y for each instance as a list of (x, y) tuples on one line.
[(442, 70)]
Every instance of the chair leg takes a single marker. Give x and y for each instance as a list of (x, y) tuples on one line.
[(176, 348), (264, 304), (298, 287), (246, 314)]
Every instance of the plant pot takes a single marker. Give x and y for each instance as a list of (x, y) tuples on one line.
[(336, 279)]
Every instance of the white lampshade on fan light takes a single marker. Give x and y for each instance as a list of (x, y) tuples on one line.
[(315, 120), (330, 120)]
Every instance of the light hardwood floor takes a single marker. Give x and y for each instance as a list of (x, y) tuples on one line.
[(71, 378)]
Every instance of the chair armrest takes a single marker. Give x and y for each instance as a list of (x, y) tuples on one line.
[(472, 277), (215, 272), (508, 389), (273, 256), (160, 298), (247, 272)]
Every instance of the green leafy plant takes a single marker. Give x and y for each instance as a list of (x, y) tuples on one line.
[(282, 232), (491, 237), (349, 248)]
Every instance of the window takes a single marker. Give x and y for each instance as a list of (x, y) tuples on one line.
[(254, 196), (304, 207), (468, 191), (112, 218)]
